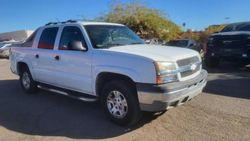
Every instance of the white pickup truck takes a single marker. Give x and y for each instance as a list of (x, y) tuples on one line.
[(109, 62)]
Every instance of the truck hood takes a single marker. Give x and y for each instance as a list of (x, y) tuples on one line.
[(156, 52)]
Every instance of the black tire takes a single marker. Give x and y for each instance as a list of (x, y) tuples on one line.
[(133, 113), (32, 86), (212, 62)]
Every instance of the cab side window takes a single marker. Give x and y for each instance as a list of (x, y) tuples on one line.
[(48, 38), (71, 34)]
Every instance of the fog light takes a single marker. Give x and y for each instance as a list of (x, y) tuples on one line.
[(244, 55)]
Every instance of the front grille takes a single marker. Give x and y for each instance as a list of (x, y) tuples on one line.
[(190, 72), (187, 63), (230, 41)]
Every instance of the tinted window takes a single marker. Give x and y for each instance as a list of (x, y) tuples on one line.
[(245, 27), (48, 37), (69, 34), (237, 27), (228, 28)]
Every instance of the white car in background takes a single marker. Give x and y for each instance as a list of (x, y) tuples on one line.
[(5, 48)]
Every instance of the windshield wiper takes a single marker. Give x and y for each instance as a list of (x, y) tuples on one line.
[(135, 43), (113, 45), (117, 44)]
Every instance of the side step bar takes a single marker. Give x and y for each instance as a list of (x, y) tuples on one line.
[(72, 94)]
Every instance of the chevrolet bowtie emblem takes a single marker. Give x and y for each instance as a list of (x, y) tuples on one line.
[(193, 67)]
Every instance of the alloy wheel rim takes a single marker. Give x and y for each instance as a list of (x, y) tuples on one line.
[(117, 104), (26, 80)]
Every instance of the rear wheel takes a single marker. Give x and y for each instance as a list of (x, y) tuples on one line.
[(27, 82), (120, 103)]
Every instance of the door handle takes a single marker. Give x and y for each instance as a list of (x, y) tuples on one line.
[(57, 57), (37, 56)]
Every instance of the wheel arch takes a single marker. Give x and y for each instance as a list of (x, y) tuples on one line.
[(104, 77), (21, 65)]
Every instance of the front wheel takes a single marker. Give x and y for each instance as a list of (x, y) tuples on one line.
[(120, 103)]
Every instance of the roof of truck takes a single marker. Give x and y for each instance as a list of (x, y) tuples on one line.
[(82, 22), (99, 23)]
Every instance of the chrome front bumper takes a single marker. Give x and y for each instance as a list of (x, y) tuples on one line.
[(161, 97)]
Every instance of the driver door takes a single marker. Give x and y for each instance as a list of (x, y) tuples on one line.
[(73, 67)]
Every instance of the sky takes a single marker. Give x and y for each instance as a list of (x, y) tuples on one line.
[(197, 14)]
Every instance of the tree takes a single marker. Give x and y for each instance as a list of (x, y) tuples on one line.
[(189, 34), (210, 30), (148, 23)]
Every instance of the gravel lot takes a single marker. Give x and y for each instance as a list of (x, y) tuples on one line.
[(222, 112)]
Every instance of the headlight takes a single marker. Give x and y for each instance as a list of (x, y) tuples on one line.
[(166, 72)]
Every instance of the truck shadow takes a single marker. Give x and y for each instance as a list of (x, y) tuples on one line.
[(236, 87), (228, 79), (50, 114)]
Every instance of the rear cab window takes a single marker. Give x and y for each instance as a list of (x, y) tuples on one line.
[(48, 38)]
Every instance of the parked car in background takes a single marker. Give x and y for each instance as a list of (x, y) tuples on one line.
[(154, 41), (5, 47), (230, 44), (4, 50), (187, 43)]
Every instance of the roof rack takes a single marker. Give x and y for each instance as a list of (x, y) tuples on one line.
[(54, 23), (51, 23)]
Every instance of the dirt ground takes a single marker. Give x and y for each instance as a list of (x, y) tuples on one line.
[(221, 112)]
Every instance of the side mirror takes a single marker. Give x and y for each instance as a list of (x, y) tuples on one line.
[(76, 45)]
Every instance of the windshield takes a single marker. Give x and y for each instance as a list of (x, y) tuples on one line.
[(237, 27), (228, 28), (244, 27), (178, 43), (105, 36)]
